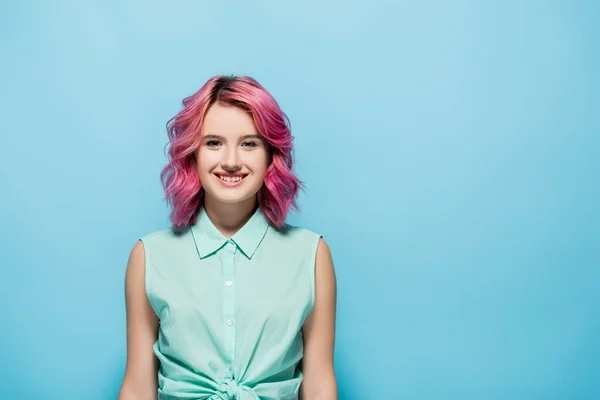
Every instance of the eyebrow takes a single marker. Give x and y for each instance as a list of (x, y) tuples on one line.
[(245, 137)]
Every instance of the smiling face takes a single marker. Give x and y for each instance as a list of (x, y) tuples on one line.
[(232, 157)]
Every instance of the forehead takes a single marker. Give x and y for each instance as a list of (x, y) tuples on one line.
[(228, 121)]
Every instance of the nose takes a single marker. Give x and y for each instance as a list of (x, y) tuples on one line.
[(230, 161)]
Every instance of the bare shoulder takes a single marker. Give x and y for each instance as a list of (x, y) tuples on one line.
[(135, 274), (323, 250), (324, 268), (325, 280), (137, 260), (135, 282)]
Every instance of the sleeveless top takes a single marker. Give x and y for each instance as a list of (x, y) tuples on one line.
[(231, 310)]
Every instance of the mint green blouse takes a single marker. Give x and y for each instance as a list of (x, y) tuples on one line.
[(231, 310)]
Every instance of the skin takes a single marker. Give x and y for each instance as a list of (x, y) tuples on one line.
[(230, 145)]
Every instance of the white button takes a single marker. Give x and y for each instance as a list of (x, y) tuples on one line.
[(229, 244), (229, 366), (229, 322), (229, 283)]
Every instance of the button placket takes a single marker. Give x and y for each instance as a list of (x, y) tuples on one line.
[(228, 273)]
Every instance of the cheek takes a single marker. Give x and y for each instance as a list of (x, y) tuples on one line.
[(204, 162), (260, 163)]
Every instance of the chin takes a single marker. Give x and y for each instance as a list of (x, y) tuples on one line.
[(230, 198)]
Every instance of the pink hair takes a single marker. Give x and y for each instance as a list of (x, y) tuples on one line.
[(183, 190)]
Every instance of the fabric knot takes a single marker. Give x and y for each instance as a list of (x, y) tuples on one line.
[(229, 387), (230, 390)]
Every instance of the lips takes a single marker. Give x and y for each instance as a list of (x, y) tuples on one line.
[(232, 178)]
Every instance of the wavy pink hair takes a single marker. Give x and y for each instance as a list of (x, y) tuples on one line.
[(183, 189)]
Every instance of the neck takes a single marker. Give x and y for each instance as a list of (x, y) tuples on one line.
[(229, 218)]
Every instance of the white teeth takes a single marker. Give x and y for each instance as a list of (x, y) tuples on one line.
[(230, 178)]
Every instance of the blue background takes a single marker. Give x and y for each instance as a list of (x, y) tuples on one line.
[(450, 151)]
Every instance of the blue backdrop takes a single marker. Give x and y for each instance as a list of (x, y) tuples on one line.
[(450, 151)]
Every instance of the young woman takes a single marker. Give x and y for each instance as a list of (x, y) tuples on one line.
[(230, 302)]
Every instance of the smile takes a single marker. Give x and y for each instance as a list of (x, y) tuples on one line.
[(230, 179)]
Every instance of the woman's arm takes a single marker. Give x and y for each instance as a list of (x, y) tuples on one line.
[(140, 381), (319, 333)]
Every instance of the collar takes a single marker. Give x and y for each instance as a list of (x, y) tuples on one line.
[(209, 239)]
